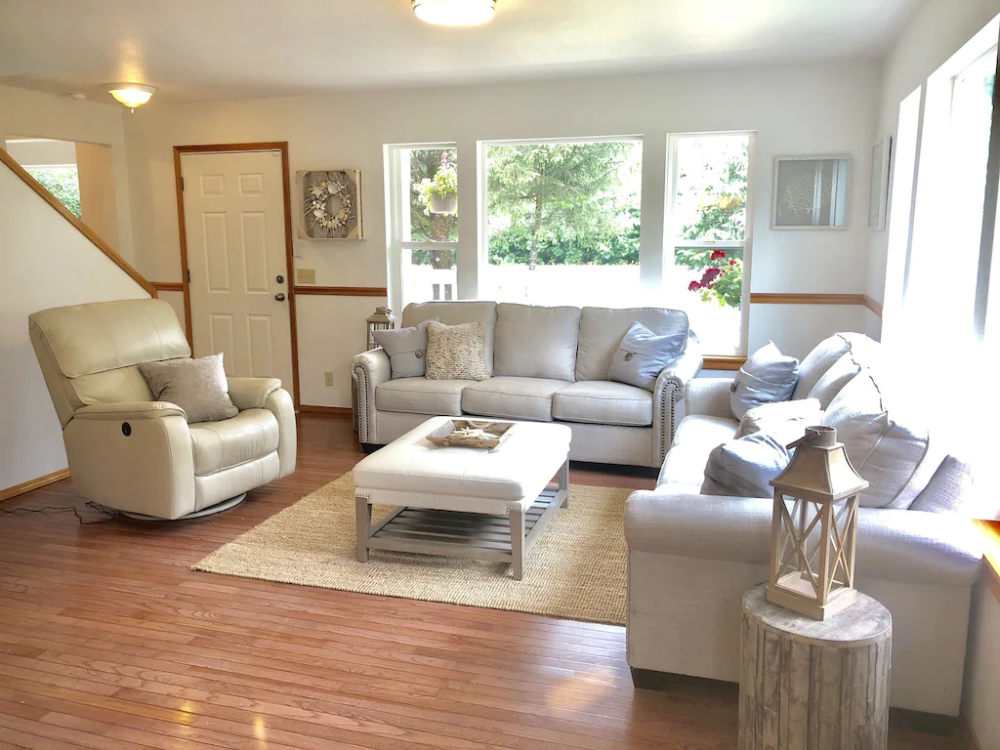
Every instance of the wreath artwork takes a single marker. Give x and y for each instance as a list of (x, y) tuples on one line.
[(331, 205)]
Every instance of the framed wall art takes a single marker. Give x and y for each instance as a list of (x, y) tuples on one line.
[(810, 192), (878, 199), (331, 207)]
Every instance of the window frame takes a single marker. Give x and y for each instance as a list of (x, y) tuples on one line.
[(398, 220), (671, 241)]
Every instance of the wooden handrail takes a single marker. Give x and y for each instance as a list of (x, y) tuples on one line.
[(86, 231)]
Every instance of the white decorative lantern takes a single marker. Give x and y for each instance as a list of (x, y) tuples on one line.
[(815, 527), (381, 320)]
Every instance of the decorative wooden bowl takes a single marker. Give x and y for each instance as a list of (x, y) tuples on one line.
[(468, 433)]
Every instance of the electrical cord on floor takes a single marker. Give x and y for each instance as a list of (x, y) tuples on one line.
[(110, 513)]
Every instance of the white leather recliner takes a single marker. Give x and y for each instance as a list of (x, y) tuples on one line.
[(140, 456)]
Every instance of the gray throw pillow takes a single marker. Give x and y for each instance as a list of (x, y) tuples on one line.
[(745, 467), (642, 355), (407, 349), (198, 386), (767, 377), (456, 352)]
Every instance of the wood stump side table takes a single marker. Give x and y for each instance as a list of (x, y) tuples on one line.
[(814, 685)]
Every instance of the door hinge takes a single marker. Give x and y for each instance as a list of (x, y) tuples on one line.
[(182, 184), (189, 275)]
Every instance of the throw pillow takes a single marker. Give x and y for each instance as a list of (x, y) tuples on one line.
[(891, 448), (407, 349), (198, 386), (949, 491), (642, 355), (456, 352), (745, 467), (841, 372), (786, 421), (766, 377)]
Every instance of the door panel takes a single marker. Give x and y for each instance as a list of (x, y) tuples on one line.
[(234, 214)]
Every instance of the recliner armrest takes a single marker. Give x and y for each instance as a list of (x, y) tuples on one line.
[(251, 393), (132, 410)]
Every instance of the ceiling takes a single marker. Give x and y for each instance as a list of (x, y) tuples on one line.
[(228, 49)]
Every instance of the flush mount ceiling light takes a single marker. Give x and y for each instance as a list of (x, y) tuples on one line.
[(455, 12), (132, 95)]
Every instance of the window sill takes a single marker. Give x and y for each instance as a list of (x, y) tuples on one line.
[(991, 553)]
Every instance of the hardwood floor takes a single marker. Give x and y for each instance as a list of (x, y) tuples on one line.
[(108, 640)]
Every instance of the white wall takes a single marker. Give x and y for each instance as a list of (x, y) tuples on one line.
[(42, 152), (47, 263), (982, 668), (800, 110), (936, 33), (29, 113)]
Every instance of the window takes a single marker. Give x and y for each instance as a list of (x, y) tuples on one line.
[(424, 226), (562, 222), (63, 182), (945, 276), (707, 236)]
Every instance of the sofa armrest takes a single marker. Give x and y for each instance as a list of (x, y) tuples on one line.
[(129, 410), (251, 393), (708, 397), (279, 403), (368, 369), (901, 545), (669, 389)]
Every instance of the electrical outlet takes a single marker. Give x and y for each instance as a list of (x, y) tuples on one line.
[(328, 377), (305, 275)]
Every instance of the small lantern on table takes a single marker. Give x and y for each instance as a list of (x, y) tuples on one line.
[(381, 320), (815, 527)]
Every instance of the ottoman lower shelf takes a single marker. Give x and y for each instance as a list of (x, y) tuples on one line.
[(460, 534)]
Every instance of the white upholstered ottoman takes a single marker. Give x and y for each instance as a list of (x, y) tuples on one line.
[(447, 500)]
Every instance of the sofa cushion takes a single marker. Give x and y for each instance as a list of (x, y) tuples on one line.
[(536, 342), (454, 313), (840, 373), (699, 429), (512, 398), (889, 449), (950, 490), (421, 396), (829, 351), (602, 330), (685, 466), (786, 421), (745, 467), (456, 352), (642, 355), (217, 446), (766, 377), (601, 402)]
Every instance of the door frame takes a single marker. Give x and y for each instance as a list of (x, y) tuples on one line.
[(281, 146)]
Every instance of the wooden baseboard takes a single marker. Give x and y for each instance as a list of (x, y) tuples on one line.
[(337, 411), (34, 484)]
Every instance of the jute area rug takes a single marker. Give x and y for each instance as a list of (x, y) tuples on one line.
[(576, 570)]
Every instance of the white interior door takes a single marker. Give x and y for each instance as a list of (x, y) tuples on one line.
[(234, 213)]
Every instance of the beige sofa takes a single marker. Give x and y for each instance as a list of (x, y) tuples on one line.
[(140, 456), (691, 556), (549, 364)]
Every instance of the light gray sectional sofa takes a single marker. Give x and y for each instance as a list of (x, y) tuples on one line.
[(548, 364), (692, 555)]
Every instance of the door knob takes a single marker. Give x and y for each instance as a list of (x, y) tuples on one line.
[(280, 297)]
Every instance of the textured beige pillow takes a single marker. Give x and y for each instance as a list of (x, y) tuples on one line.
[(456, 352), (198, 386), (785, 420)]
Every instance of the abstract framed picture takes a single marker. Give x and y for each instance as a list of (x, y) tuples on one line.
[(331, 205), (878, 197), (810, 192)]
